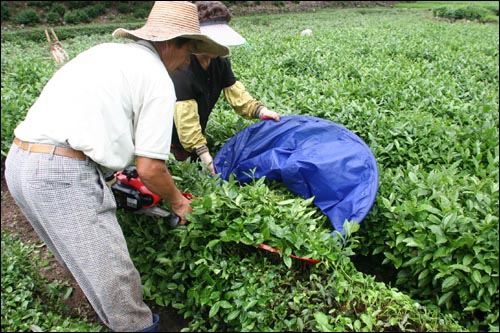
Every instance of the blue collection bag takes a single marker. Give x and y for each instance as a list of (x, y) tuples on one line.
[(312, 157)]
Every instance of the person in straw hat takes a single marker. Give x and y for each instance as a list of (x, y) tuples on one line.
[(99, 113), (199, 84)]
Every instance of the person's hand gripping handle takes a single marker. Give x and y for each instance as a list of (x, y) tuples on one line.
[(176, 219)]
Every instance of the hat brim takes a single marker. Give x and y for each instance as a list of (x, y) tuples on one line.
[(204, 44), (222, 34)]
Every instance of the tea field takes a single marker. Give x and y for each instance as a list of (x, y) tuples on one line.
[(421, 92)]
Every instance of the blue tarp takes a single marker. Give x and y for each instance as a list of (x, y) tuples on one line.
[(312, 157)]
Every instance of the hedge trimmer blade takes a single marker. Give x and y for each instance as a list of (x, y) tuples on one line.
[(153, 211), (275, 250), (56, 48)]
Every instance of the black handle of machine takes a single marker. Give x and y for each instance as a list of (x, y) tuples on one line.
[(174, 220)]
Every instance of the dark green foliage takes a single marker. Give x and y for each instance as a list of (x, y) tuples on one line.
[(5, 11), (36, 34), (53, 18), (27, 17), (77, 16), (470, 13), (109, 4), (124, 8), (141, 7), (214, 274), (229, 3), (58, 8), (29, 302), (95, 10), (77, 4), (19, 282), (465, 12), (40, 4), (73, 12), (141, 13)]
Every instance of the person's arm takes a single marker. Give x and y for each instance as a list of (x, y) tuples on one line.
[(245, 105), (187, 122), (155, 176)]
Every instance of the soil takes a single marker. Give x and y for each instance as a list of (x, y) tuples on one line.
[(14, 222)]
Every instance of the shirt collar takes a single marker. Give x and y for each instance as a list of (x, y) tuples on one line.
[(149, 45)]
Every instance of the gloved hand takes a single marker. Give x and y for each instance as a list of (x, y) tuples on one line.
[(265, 113), (207, 159)]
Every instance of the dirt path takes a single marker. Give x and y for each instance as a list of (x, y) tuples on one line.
[(14, 222)]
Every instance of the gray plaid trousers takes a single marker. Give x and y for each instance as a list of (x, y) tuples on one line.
[(73, 211)]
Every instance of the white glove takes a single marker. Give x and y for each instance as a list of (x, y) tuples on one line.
[(207, 159), (265, 113)]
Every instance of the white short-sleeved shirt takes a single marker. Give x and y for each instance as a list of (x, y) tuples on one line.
[(112, 102)]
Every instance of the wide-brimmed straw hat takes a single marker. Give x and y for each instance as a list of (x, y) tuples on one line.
[(171, 19)]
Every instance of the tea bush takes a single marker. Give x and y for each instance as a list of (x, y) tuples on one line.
[(77, 16), (53, 18), (27, 17), (6, 13), (465, 12), (213, 272)]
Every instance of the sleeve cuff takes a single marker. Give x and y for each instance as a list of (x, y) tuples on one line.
[(201, 150), (258, 112)]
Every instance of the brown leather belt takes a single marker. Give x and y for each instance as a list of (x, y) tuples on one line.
[(43, 148)]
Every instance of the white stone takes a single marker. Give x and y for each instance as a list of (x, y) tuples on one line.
[(306, 32)]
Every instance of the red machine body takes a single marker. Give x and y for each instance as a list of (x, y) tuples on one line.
[(137, 195), (132, 195)]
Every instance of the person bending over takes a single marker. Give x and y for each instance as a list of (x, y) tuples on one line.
[(199, 85)]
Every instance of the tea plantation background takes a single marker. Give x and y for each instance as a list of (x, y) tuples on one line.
[(418, 85)]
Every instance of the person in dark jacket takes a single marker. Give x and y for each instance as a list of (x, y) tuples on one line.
[(199, 85)]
